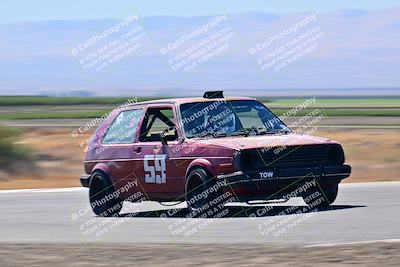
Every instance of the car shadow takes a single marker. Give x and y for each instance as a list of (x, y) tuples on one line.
[(239, 211)]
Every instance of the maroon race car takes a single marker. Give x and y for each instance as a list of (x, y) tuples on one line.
[(207, 151)]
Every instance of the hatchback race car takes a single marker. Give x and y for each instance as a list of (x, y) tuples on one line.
[(207, 151)]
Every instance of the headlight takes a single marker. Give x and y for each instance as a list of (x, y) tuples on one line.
[(236, 162)]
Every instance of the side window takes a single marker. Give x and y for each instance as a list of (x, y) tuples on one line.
[(123, 129), (158, 121)]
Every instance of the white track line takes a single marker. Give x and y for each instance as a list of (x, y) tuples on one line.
[(367, 184), (44, 190), (354, 243), (361, 126), (82, 189)]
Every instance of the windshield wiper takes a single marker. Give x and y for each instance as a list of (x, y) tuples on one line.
[(246, 131), (240, 132), (215, 135), (257, 131), (279, 131)]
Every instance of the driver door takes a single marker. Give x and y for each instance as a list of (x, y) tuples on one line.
[(158, 138)]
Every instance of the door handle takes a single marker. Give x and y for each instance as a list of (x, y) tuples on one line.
[(137, 149)]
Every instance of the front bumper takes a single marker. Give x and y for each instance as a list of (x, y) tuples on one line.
[(323, 174), (85, 180), (252, 185)]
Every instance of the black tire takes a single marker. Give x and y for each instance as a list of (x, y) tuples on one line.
[(102, 196), (322, 198), (207, 204)]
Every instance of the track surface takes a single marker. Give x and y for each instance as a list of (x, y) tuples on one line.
[(362, 212)]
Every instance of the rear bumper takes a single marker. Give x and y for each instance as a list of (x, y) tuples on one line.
[(250, 185), (85, 180)]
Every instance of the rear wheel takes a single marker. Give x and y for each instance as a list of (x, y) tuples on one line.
[(104, 200), (322, 198), (203, 195)]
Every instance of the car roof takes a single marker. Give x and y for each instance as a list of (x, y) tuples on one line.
[(186, 100)]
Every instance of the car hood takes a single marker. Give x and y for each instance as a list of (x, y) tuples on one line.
[(261, 141)]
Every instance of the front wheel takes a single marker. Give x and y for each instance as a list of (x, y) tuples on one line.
[(204, 196), (322, 198), (104, 200)]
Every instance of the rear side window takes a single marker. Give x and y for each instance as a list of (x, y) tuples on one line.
[(123, 129)]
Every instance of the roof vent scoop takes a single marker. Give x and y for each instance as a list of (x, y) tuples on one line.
[(213, 94)]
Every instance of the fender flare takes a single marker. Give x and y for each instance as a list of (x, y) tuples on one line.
[(204, 163), (103, 168)]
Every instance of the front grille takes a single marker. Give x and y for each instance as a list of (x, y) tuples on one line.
[(291, 156)]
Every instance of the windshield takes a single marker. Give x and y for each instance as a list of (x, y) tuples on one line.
[(229, 118)]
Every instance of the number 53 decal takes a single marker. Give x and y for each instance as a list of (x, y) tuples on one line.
[(154, 168)]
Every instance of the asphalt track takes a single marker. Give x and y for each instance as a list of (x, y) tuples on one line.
[(362, 213)]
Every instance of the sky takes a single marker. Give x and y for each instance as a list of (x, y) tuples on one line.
[(39, 10)]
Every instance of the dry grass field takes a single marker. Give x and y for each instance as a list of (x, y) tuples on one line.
[(44, 255), (374, 155)]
